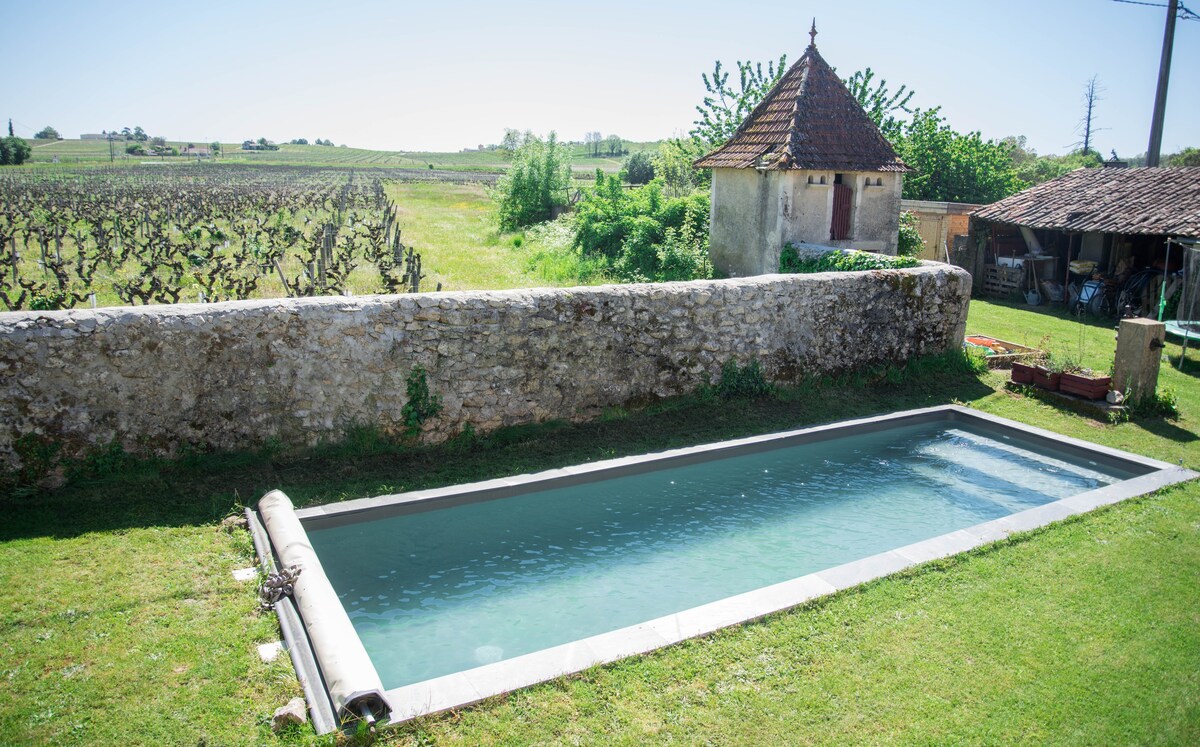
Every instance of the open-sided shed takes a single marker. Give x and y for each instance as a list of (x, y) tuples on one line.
[(1113, 227)]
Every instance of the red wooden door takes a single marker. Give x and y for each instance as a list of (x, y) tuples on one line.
[(839, 229)]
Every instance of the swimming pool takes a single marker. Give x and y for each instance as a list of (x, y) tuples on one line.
[(445, 597)]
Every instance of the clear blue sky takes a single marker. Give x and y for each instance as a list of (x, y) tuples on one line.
[(448, 75)]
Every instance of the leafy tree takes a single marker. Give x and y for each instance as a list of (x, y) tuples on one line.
[(140, 135), (1185, 157), (1034, 169), (615, 145), (215, 147), (511, 141), (14, 151), (158, 141), (127, 133), (591, 142), (135, 149), (10, 129), (639, 168), (299, 141), (538, 180), (47, 133), (724, 108), (879, 103), (673, 164), (951, 166)]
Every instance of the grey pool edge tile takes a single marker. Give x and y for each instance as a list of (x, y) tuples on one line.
[(1038, 516), (532, 668), (942, 546), (439, 694), (856, 572)]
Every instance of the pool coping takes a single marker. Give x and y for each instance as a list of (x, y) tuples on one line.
[(479, 683)]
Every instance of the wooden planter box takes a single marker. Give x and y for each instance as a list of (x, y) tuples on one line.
[(1082, 385), (1046, 379), (1000, 353), (1022, 373)]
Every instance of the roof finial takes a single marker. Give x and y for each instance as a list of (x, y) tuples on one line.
[(812, 35)]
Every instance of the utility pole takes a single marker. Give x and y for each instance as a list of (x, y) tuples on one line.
[(1160, 97)]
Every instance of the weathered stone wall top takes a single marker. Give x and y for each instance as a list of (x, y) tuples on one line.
[(232, 375)]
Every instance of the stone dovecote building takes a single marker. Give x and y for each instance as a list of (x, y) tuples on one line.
[(807, 165)]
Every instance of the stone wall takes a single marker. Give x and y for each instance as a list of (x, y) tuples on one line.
[(233, 375)]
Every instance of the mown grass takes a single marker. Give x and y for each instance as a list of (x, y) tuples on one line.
[(120, 622)]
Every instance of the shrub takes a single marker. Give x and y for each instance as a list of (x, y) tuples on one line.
[(538, 180), (841, 261), (14, 151), (645, 236), (910, 243), (639, 168), (742, 382)]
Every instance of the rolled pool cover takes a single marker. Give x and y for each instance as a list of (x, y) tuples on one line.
[(347, 670)]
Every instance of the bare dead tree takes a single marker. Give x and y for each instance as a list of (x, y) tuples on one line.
[(1087, 123)]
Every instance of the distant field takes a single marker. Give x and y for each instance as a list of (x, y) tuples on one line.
[(97, 151)]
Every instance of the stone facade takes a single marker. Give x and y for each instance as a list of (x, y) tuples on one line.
[(755, 213), (233, 375)]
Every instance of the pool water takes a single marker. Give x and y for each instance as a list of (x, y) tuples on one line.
[(440, 591)]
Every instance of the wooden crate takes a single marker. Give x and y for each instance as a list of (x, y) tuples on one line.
[(1002, 281), (1003, 360)]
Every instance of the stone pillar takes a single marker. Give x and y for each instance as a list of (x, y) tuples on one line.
[(1139, 350)]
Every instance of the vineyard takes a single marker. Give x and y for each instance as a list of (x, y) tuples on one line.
[(198, 234)]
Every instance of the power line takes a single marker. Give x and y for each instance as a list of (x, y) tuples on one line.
[(1184, 13)]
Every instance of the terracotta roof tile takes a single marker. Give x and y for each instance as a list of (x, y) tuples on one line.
[(1159, 201), (808, 120)]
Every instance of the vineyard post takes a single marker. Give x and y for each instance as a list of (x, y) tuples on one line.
[(282, 278)]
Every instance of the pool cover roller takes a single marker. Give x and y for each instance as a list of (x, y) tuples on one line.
[(354, 685)]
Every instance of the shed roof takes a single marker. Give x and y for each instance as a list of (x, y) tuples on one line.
[(1150, 200), (808, 120)]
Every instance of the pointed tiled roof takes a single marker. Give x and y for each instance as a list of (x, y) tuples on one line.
[(808, 120)]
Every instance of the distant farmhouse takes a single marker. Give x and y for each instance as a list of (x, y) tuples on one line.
[(93, 136), (807, 165)]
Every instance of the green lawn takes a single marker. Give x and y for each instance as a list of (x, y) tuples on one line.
[(120, 623)]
